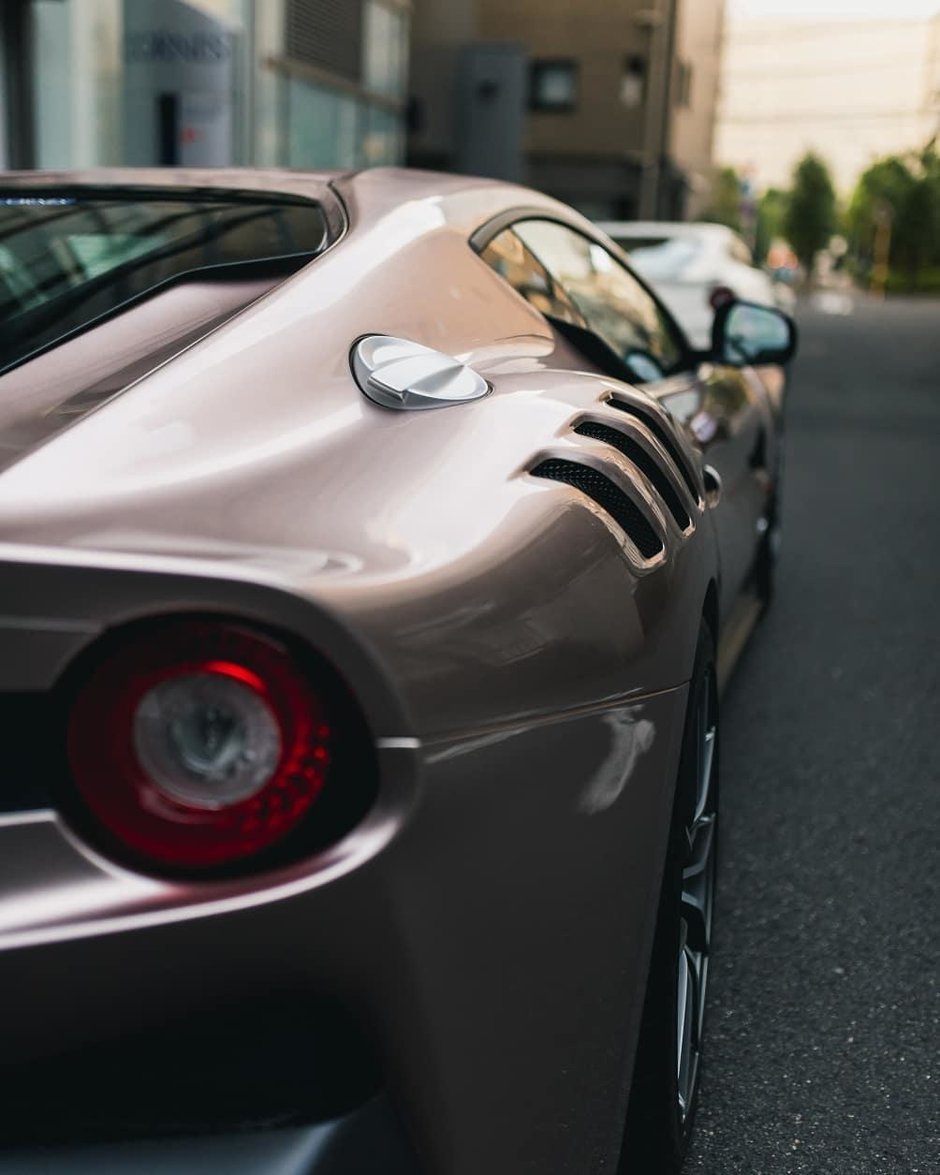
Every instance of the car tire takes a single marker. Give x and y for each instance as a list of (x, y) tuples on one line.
[(668, 1059)]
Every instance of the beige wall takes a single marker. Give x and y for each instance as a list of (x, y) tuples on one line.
[(617, 140), (598, 34), (852, 91)]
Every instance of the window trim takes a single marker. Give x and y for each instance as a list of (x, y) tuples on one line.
[(565, 297), (276, 266), (689, 357), (641, 74)]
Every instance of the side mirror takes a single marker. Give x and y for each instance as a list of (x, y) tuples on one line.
[(746, 334)]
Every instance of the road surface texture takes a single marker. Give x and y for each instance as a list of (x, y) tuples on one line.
[(823, 1039)]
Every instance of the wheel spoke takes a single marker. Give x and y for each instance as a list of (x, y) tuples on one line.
[(696, 915), (700, 841), (685, 1013), (706, 767), (694, 963), (697, 899), (688, 1029)]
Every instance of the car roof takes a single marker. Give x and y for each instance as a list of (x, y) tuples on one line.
[(230, 178), (366, 195)]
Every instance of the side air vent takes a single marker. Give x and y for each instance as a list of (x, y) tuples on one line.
[(608, 496), (643, 461), (662, 435)]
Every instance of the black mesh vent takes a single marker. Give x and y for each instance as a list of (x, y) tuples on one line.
[(643, 461), (661, 434), (326, 34), (608, 496)]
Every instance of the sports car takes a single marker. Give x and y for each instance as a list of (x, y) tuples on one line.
[(372, 550)]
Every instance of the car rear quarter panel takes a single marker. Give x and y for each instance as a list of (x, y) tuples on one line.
[(254, 449), (520, 669), (488, 923)]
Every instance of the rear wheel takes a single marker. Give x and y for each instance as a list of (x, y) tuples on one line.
[(668, 1060)]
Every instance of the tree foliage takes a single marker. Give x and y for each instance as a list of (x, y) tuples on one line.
[(725, 204), (810, 217), (905, 189), (771, 214)]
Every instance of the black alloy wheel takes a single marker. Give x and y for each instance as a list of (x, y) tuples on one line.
[(668, 1060)]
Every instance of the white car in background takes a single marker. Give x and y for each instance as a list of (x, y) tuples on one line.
[(694, 266)]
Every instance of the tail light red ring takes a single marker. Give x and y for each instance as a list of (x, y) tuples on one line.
[(181, 676)]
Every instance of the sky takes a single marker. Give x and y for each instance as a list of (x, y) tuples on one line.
[(834, 9)]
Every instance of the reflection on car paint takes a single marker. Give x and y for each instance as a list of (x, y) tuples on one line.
[(630, 737)]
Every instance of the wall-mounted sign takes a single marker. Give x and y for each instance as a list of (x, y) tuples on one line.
[(179, 85), (169, 48)]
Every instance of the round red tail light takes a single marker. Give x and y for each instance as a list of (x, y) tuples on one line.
[(199, 744)]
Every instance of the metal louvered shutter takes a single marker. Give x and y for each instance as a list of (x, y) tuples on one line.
[(326, 34)]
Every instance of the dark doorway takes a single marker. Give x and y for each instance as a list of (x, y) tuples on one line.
[(16, 108), (168, 126)]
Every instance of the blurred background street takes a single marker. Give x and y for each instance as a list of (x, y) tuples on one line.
[(808, 131), (823, 1031)]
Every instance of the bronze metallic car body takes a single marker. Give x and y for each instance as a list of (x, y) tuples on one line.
[(521, 667)]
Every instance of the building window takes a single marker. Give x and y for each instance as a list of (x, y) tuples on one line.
[(323, 127), (206, 83), (553, 85), (326, 34), (633, 82), (385, 49)]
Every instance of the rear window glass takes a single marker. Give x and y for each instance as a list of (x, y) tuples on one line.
[(68, 258)]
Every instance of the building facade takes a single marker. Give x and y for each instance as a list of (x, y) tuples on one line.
[(606, 104), (851, 91), (296, 83)]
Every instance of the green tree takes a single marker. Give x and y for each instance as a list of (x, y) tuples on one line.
[(725, 204), (906, 189), (771, 214), (810, 217), (887, 183), (917, 235)]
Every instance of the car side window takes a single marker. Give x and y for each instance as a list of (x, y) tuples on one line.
[(614, 305), (528, 276)]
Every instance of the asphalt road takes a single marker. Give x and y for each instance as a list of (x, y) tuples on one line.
[(823, 1038)]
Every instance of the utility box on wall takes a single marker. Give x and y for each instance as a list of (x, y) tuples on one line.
[(491, 104), (180, 85)]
